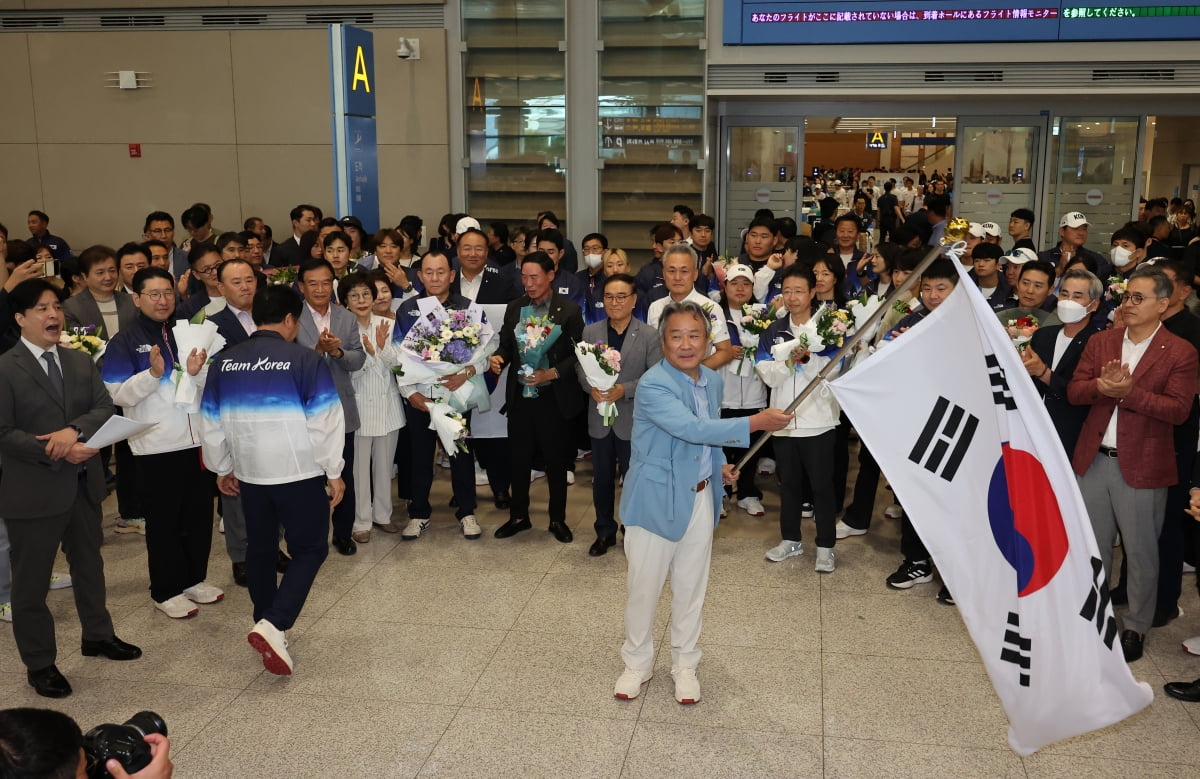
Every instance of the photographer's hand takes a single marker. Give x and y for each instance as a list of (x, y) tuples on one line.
[(160, 766)]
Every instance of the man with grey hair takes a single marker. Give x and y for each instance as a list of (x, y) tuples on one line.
[(670, 504), (1139, 380), (679, 276)]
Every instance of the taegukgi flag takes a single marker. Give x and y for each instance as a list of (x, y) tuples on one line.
[(951, 415)]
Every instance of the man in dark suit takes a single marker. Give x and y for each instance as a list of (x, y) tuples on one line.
[(540, 422), (51, 401), (287, 252), (1055, 350), (1139, 380), (332, 332), (640, 348)]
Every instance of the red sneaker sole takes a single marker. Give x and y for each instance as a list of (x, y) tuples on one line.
[(271, 661)]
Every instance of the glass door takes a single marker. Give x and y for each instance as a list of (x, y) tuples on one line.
[(759, 170), (997, 168)]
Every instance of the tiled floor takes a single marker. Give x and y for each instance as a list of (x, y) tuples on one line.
[(448, 657)]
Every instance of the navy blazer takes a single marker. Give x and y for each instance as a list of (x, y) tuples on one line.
[(229, 327)]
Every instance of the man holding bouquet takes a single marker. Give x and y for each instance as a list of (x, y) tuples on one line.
[(543, 392)]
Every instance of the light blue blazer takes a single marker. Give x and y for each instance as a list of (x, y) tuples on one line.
[(664, 465)]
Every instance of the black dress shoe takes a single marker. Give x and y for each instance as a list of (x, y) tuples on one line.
[(49, 683), (239, 574), (560, 531), (1131, 645), (512, 527), (113, 648), (282, 562), (1163, 617), (601, 545), (345, 546), (502, 498), (1184, 691)]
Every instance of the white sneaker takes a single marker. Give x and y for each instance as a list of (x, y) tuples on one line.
[(893, 512), (60, 581), (130, 526), (443, 461), (570, 478), (752, 506), (807, 510), (271, 643), (629, 683), (845, 531), (203, 593), (687, 686), (724, 507), (1189, 568), (535, 475), (481, 477), (221, 526), (766, 466), (470, 527), (414, 529), (1191, 646), (785, 549), (5, 612), (177, 607), (825, 560)]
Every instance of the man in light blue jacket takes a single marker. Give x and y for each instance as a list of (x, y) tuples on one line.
[(670, 504)]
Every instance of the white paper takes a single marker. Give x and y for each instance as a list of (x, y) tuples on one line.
[(117, 428), (201, 337)]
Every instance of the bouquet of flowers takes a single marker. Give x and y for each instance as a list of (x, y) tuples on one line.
[(535, 336), (284, 276), (440, 343), (201, 337), (450, 426), (600, 364), (906, 307), (1114, 290), (833, 325), (863, 308), (782, 351), (1021, 330), (756, 318), (86, 339)]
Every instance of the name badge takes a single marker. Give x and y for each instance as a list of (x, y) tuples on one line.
[(564, 290)]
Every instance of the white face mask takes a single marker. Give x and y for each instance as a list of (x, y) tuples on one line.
[(1070, 312), (593, 260), (1120, 256)]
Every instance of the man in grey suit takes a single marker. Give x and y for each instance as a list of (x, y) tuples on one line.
[(101, 305), (333, 332), (51, 401), (640, 348)]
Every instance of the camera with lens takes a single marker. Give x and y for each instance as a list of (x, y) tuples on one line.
[(123, 743)]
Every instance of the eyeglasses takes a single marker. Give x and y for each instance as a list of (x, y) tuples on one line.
[(360, 296), (211, 269), (157, 294), (617, 298), (1137, 298)]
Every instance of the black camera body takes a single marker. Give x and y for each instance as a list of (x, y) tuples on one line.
[(123, 743)]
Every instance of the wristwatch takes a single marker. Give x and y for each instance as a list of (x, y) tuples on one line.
[(78, 432)]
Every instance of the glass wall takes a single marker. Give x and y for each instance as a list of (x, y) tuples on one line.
[(762, 174), (514, 108), (1094, 167), (996, 170), (651, 101)]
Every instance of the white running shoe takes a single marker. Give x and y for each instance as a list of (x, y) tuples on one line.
[(570, 478), (785, 549), (535, 475), (481, 477), (414, 529), (177, 607), (752, 506), (629, 683), (724, 507), (1192, 645), (470, 527), (271, 643), (766, 466), (825, 560), (203, 593), (60, 581), (845, 531), (687, 686), (807, 510), (893, 512)]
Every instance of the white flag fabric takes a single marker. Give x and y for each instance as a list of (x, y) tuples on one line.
[(951, 415)]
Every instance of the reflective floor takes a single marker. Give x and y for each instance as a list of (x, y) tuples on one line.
[(449, 657)]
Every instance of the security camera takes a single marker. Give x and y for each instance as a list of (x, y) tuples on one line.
[(409, 49)]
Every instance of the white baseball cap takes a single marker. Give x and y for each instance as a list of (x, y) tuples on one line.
[(1019, 256), (991, 228), (1073, 219), (976, 229), (466, 223), (738, 272)]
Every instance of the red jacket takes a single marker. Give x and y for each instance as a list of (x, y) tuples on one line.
[(1163, 387)]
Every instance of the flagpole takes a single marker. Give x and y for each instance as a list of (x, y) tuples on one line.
[(954, 232)]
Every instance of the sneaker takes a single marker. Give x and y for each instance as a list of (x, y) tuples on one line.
[(271, 643), (944, 596), (724, 507), (893, 512), (481, 477), (845, 531), (361, 536), (752, 506), (177, 607), (909, 574), (470, 527), (687, 686), (785, 549), (582, 454), (807, 510), (414, 529), (766, 466), (825, 560), (221, 526), (629, 683), (1189, 568), (60, 581), (570, 478), (443, 461), (1191, 646), (204, 593), (535, 475), (130, 526), (5, 612)]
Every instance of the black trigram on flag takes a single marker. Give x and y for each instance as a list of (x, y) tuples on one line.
[(1017, 647), (1000, 392), (1095, 607), (945, 439)]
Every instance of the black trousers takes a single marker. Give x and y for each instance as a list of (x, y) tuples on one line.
[(178, 497), (343, 513), (130, 504), (746, 488), (462, 469), (535, 424), (911, 545), (493, 454), (811, 456), (610, 461), (866, 485)]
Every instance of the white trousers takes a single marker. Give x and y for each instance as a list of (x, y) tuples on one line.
[(650, 557), (373, 455)]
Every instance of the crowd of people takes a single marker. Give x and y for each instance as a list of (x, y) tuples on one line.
[(345, 366)]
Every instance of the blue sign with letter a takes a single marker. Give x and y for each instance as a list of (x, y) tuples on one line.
[(354, 49)]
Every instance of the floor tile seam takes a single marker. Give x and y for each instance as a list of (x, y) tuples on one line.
[(652, 720), (369, 567), (1003, 749), (1092, 755), (976, 663), (519, 709)]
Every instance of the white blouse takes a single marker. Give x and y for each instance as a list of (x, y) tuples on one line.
[(380, 409)]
